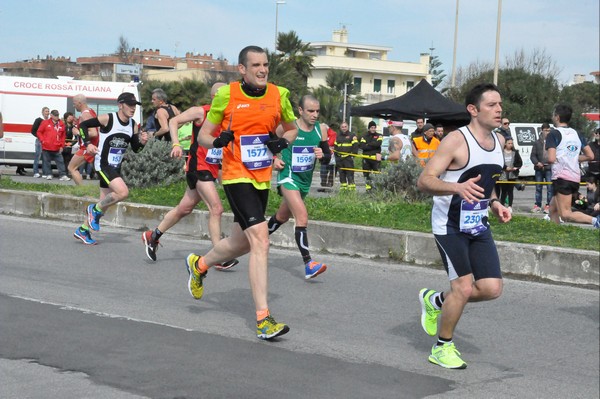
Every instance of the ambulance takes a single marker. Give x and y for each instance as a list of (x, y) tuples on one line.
[(22, 100)]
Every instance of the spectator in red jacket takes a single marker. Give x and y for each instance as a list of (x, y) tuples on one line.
[(52, 134)]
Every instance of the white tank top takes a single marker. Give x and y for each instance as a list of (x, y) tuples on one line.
[(406, 150), (451, 214), (567, 156)]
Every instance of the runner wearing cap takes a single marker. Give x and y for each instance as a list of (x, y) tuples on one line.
[(116, 131)]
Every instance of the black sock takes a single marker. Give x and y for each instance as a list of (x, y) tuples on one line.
[(156, 234), (439, 300), (441, 341), (273, 225), (302, 242)]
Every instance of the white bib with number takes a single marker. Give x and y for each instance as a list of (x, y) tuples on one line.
[(472, 216), (214, 156), (303, 158), (115, 156), (255, 154)]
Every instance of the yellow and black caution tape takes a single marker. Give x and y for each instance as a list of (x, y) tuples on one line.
[(344, 154), (360, 170)]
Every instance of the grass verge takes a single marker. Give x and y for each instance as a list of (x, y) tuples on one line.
[(356, 209)]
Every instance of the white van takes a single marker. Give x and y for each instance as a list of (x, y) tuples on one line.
[(22, 100), (524, 135)]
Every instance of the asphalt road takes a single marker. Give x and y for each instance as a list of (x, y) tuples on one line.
[(105, 322)]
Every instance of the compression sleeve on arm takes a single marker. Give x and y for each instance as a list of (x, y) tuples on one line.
[(324, 145), (85, 125), (136, 145)]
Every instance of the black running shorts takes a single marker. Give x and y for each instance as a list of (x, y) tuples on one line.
[(465, 254), (248, 204)]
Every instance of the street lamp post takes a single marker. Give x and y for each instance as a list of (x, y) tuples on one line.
[(496, 62), (454, 51), (277, 3)]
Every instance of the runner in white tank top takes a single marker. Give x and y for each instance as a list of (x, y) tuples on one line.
[(461, 177)]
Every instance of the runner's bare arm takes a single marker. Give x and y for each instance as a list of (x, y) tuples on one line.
[(195, 114), (447, 154)]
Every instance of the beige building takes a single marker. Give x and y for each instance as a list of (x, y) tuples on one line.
[(375, 77)]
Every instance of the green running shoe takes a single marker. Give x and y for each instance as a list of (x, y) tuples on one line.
[(268, 328), (429, 314), (447, 356), (195, 282)]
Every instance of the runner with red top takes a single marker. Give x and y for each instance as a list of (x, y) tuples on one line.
[(82, 156), (202, 169)]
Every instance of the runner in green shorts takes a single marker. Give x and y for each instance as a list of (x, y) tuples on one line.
[(296, 165)]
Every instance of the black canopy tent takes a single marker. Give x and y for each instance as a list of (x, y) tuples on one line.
[(422, 101)]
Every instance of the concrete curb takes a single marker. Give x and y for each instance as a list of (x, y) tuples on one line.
[(550, 263)]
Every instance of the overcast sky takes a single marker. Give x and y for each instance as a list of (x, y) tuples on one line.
[(566, 29)]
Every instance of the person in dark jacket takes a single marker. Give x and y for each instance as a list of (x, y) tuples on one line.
[(37, 158), (370, 144), (510, 172), (594, 168), (543, 171), (345, 145)]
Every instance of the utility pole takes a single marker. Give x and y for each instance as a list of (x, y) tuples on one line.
[(497, 42), (345, 96), (277, 3), (453, 82)]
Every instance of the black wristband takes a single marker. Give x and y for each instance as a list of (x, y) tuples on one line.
[(493, 200)]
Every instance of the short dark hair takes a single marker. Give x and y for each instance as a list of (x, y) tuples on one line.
[(545, 125), (243, 57), (474, 95), (306, 97), (67, 114), (564, 112)]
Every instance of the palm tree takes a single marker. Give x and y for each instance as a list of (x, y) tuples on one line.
[(337, 78), (296, 53)]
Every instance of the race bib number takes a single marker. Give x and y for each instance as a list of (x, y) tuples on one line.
[(255, 154), (214, 156), (472, 217), (115, 156), (303, 158)]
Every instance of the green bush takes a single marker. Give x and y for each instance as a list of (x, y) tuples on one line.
[(399, 181), (152, 166)]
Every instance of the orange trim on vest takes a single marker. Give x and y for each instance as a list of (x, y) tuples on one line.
[(249, 116)]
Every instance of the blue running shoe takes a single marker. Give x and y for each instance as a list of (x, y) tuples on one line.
[(84, 236), (596, 222), (313, 269), (93, 217)]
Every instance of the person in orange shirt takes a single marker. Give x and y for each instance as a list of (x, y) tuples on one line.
[(426, 145), (248, 113)]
